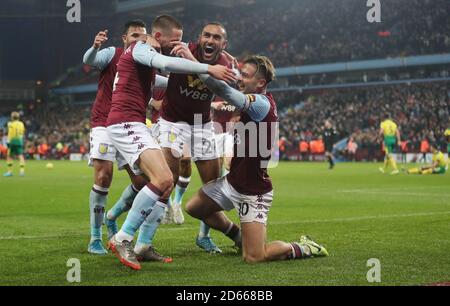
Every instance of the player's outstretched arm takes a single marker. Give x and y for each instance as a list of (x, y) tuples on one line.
[(99, 59), (145, 55), (256, 106)]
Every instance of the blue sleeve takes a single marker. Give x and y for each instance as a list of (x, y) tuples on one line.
[(99, 59), (161, 82), (255, 105), (146, 55)]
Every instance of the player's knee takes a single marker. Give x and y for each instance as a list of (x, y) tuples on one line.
[(165, 184), (103, 179), (193, 208)]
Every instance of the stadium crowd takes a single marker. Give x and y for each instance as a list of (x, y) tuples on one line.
[(317, 32), (323, 31), (314, 32), (421, 111), (54, 132)]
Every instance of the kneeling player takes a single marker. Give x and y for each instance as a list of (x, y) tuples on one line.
[(248, 187), (438, 166)]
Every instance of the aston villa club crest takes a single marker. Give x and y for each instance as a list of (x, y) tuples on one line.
[(103, 148)]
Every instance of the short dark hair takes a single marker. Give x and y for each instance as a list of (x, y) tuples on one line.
[(263, 66), (137, 23), (216, 23), (166, 22)]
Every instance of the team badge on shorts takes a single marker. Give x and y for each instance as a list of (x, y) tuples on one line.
[(103, 148), (172, 137)]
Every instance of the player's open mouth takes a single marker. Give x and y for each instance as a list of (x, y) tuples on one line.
[(208, 51)]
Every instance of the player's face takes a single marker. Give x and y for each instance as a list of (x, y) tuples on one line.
[(250, 82), (167, 39), (212, 42), (134, 34)]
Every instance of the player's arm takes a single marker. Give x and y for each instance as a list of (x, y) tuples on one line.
[(256, 106), (399, 140), (146, 55), (99, 59)]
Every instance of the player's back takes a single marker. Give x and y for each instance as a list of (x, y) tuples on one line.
[(248, 173), (186, 95), (389, 127), (102, 104), (16, 131), (132, 90)]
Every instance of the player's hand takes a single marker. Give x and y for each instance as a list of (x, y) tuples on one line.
[(156, 104), (182, 50), (100, 39), (222, 73)]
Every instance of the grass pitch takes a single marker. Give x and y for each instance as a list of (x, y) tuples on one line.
[(357, 213)]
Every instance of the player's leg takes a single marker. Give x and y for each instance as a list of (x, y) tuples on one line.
[(144, 245), (102, 157), (209, 170), (418, 170), (126, 199), (204, 154), (22, 164), (392, 161), (330, 159), (103, 171), (180, 188), (172, 158), (253, 212), (255, 249), (143, 156), (208, 205), (9, 162), (172, 138), (148, 206)]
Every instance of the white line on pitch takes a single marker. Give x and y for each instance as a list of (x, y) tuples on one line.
[(384, 192), (183, 228)]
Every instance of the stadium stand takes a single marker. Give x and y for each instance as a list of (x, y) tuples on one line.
[(302, 33)]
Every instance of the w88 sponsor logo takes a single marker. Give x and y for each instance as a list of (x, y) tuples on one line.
[(195, 94)]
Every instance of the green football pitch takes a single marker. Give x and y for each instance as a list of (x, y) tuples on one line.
[(356, 212)]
